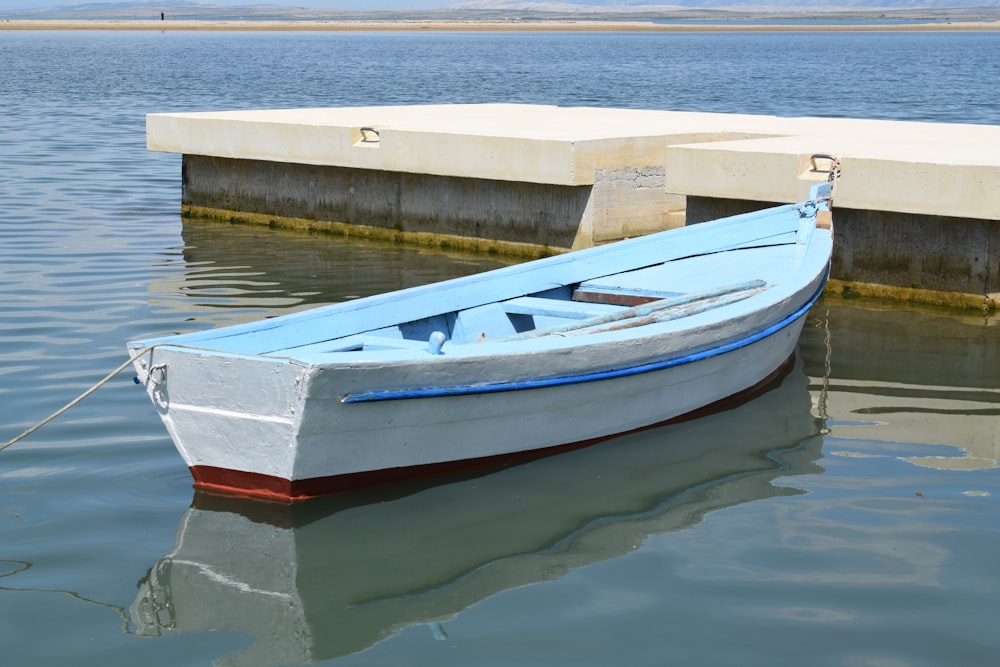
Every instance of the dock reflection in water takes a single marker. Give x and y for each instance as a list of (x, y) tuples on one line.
[(335, 576), (886, 380), (225, 274)]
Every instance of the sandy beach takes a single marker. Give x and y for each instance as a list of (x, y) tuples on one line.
[(486, 26)]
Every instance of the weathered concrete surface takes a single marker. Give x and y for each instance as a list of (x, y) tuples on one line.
[(521, 143), (390, 204), (491, 155), (918, 203), (922, 168)]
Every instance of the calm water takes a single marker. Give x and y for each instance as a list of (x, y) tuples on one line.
[(847, 517)]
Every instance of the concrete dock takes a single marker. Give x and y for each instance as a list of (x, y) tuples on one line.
[(917, 207)]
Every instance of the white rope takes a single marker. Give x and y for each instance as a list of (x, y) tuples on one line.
[(79, 398)]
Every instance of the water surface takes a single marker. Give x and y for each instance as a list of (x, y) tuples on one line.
[(846, 517)]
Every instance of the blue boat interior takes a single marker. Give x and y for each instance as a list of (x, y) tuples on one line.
[(676, 283)]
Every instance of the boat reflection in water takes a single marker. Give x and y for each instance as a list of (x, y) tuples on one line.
[(334, 576)]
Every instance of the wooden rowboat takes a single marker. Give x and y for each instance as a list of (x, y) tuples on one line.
[(514, 363)]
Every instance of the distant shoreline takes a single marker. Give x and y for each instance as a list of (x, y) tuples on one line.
[(570, 25)]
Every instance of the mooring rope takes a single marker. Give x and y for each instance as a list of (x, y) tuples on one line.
[(82, 396)]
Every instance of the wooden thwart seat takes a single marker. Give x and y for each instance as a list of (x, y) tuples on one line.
[(617, 296), (631, 288), (533, 305)]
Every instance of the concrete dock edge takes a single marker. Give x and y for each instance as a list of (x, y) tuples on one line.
[(917, 213)]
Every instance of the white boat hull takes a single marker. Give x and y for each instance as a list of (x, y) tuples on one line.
[(315, 443)]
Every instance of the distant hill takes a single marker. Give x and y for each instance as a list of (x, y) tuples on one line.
[(630, 6), (514, 9)]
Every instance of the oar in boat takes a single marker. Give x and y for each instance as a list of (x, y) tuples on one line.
[(741, 290), (668, 314)]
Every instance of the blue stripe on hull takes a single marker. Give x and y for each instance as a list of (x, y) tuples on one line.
[(467, 390)]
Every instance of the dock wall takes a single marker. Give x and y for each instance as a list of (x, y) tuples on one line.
[(917, 212), (530, 219)]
